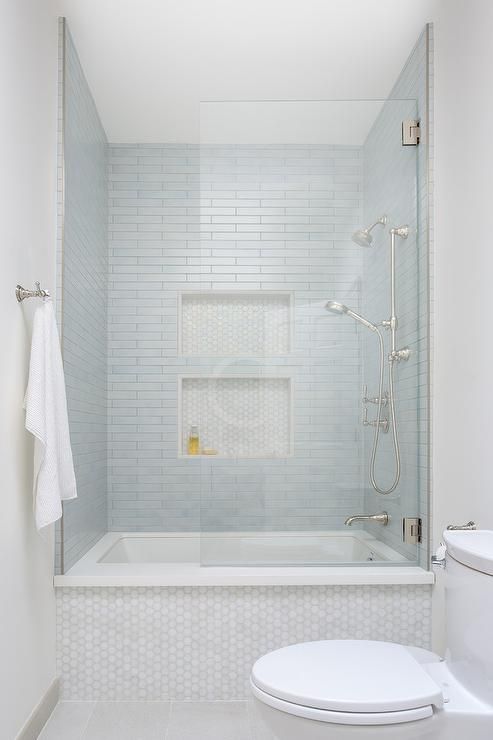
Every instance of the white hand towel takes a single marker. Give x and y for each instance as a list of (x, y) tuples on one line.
[(47, 420)]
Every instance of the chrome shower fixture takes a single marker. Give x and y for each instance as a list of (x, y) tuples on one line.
[(382, 518), (402, 231), (336, 307), (363, 237), (340, 309), (396, 355)]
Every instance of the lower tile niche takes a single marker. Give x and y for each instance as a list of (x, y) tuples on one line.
[(239, 416), (192, 643)]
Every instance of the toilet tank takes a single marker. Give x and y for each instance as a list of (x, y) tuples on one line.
[(469, 609)]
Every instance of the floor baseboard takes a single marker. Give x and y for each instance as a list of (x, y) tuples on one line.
[(41, 713)]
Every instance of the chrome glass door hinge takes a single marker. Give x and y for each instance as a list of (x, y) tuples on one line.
[(411, 132), (411, 530)]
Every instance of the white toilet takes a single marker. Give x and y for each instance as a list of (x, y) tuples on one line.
[(363, 689)]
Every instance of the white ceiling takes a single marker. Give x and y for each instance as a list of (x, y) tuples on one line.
[(150, 63)]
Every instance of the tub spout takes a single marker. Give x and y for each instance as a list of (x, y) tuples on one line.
[(382, 518)]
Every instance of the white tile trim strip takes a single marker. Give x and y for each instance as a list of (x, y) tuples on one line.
[(152, 575)]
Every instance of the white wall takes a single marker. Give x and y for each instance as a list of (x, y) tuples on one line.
[(463, 366), (28, 88), (463, 353)]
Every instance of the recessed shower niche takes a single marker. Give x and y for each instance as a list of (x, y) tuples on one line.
[(237, 416), (240, 324)]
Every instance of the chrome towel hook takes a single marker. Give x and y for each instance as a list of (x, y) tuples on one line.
[(21, 293)]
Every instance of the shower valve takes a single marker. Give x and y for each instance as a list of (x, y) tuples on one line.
[(383, 423), (374, 399), (400, 354)]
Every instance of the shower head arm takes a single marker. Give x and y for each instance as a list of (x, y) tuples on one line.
[(382, 221)]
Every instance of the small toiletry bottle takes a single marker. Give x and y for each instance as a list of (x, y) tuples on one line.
[(193, 440)]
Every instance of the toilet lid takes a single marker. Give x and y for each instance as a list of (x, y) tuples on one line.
[(347, 676)]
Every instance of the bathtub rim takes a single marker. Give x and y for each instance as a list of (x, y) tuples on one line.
[(88, 572)]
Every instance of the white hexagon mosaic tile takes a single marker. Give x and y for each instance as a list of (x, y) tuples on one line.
[(233, 324), (238, 416), (199, 643)]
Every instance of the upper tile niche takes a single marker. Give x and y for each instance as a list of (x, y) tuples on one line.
[(242, 324)]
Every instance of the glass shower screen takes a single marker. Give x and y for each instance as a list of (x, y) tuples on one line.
[(274, 383)]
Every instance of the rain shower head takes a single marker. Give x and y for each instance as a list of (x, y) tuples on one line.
[(339, 309), (363, 237)]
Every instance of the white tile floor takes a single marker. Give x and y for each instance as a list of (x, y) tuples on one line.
[(73, 720)]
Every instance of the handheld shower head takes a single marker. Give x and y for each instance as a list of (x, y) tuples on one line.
[(363, 237), (340, 309), (336, 307)]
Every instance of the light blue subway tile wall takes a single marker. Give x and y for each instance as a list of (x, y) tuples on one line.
[(232, 219), (397, 183), (83, 276)]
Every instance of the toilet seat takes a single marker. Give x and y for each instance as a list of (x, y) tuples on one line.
[(358, 682), (342, 718)]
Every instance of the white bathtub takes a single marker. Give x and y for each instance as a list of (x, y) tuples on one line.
[(241, 559), (250, 549)]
